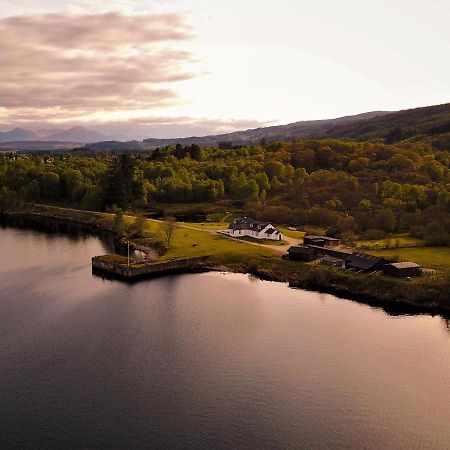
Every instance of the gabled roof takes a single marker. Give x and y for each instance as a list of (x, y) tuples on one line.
[(332, 259), (320, 238), (363, 260), (300, 249), (247, 223), (404, 265), (335, 251)]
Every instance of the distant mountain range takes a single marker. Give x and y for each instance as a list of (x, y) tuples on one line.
[(389, 126), (75, 134), (274, 133)]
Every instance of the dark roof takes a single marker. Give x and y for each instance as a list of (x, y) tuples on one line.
[(320, 238), (271, 231), (247, 223), (363, 260), (335, 251), (300, 249), (332, 259)]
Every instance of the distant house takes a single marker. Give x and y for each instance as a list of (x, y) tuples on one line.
[(321, 241), (402, 269), (362, 262), (246, 226), (302, 253)]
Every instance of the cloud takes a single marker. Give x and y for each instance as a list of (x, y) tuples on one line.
[(73, 65)]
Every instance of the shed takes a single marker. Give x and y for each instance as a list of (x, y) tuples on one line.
[(321, 241), (332, 262), (402, 269), (302, 253)]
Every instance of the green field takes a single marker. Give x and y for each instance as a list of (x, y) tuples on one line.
[(187, 243), (427, 257), (207, 225), (224, 225), (391, 242), (291, 233)]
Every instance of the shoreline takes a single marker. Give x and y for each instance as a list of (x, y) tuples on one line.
[(310, 278)]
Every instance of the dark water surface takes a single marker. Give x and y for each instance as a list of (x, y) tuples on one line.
[(205, 361)]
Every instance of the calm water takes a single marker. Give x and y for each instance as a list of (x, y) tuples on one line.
[(205, 361)]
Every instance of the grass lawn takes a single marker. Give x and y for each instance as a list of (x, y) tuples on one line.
[(391, 241), (216, 226), (224, 225), (428, 257), (291, 233), (188, 243), (260, 241), (114, 258)]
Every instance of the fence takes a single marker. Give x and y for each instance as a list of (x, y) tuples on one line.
[(388, 246)]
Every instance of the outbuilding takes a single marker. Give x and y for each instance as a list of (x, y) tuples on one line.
[(362, 262), (332, 262), (302, 253), (321, 241), (402, 269)]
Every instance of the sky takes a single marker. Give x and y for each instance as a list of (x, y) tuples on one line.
[(174, 68)]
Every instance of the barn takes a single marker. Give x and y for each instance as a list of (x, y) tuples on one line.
[(321, 241), (302, 253), (362, 262), (402, 269)]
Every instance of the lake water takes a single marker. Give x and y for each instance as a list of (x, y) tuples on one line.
[(210, 361)]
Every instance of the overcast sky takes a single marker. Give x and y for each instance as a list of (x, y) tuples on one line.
[(177, 68)]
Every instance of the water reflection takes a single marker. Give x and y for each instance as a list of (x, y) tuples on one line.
[(205, 361)]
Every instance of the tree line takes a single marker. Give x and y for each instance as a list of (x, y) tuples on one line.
[(357, 187)]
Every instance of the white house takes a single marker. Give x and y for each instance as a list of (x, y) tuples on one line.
[(247, 226)]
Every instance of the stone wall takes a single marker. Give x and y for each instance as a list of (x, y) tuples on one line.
[(143, 270)]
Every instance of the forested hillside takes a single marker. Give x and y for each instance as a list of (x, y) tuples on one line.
[(358, 187), (396, 126), (380, 126)]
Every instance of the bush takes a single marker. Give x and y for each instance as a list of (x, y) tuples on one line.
[(374, 234), (436, 234)]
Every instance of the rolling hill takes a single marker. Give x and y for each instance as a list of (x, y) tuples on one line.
[(390, 126), (75, 134), (429, 120), (301, 129)]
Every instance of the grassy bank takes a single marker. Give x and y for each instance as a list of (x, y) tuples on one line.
[(429, 292), (431, 257)]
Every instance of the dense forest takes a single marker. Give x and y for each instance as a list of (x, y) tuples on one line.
[(363, 188)]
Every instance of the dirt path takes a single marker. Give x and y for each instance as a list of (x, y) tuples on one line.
[(275, 248)]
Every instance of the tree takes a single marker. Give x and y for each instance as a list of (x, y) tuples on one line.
[(170, 226), (385, 219), (50, 185), (436, 234), (119, 222), (139, 225), (365, 205)]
